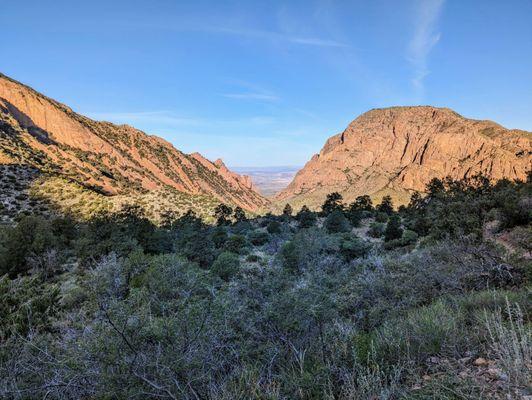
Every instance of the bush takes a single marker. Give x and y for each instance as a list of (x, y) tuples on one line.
[(336, 222), (253, 258), (236, 244), (393, 228), (381, 217), (258, 238), (219, 236), (274, 227), (353, 247), (226, 265), (409, 237), (306, 218), (376, 229), (307, 248)]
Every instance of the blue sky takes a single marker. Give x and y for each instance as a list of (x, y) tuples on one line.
[(261, 83)]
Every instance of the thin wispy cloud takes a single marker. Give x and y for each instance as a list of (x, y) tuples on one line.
[(251, 96), (424, 39), (279, 37), (243, 90)]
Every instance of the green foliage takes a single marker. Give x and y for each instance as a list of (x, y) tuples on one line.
[(306, 248), (226, 265), (363, 203), (332, 203), (236, 244), (455, 208), (29, 242), (287, 210), (336, 222), (376, 229), (222, 214), (274, 227), (219, 236), (386, 205), (306, 218), (393, 228), (381, 217), (26, 305), (171, 311), (352, 247), (258, 238), (239, 214)]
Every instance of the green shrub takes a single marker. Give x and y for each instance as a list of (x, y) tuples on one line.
[(236, 244), (226, 265), (376, 229), (253, 258), (336, 222), (353, 247), (274, 227), (258, 238), (381, 217), (393, 228)]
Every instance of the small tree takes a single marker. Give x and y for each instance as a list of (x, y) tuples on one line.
[(354, 214), (222, 213), (239, 215), (364, 203), (332, 202), (274, 227), (306, 217), (236, 244), (287, 210), (336, 222), (226, 265), (393, 228), (219, 236), (386, 205), (435, 188)]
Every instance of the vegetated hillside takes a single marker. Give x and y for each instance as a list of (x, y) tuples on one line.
[(358, 301), (396, 151), (114, 160)]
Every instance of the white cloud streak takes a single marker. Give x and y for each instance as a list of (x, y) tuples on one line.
[(275, 36), (251, 96), (424, 39)]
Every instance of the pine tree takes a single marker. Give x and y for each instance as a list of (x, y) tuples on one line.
[(306, 217), (386, 205), (222, 213), (287, 211), (239, 215), (336, 222), (393, 228), (332, 202), (364, 203)]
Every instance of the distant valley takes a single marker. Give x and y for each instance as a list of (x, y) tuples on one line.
[(269, 180)]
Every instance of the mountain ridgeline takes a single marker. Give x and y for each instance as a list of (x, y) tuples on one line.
[(111, 159), (397, 151)]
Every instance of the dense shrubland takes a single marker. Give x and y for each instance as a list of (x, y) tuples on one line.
[(354, 302)]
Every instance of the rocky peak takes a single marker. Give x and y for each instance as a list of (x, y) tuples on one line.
[(398, 150)]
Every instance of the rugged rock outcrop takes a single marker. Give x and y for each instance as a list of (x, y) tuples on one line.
[(113, 159), (399, 150)]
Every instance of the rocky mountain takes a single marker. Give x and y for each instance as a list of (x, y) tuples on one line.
[(399, 150), (42, 133)]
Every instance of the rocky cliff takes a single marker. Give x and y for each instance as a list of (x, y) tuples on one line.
[(399, 150), (112, 159)]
